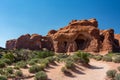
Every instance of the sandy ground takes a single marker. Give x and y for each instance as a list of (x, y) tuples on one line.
[(97, 71)]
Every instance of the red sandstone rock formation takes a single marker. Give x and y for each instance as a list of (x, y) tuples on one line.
[(32, 42), (11, 44), (78, 35)]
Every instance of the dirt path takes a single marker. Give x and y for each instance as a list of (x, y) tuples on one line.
[(95, 72)]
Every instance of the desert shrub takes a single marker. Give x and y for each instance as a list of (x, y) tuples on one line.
[(22, 54), (70, 58), (69, 64), (107, 58), (7, 61), (98, 57), (42, 66), (111, 54), (40, 76), (9, 56), (31, 62), (91, 56), (75, 58), (50, 59), (3, 77), (57, 58), (116, 59), (19, 73), (118, 68), (111, 73), (16, 67), (21, 64), (44, 61), (62, 55), (9, 70), (2, 71), (35, 59), (2, 64), (43, 54), (64, 69), (84, 57), (34, 69), (117, 76)]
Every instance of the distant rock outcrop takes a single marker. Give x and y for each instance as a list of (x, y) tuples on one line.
[(78, 35), (32, 42)]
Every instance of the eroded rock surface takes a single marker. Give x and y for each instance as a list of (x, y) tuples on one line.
[(78, 35)]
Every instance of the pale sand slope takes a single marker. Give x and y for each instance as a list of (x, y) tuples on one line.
[(97, 71)]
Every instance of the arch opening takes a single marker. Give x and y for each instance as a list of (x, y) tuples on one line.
[(80, 44)]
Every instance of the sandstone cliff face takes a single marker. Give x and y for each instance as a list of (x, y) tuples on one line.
[(32, 42), (117, 41), (11, 44), (117, 37), (78, 35)]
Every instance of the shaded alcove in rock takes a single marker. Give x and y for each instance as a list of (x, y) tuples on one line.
[(82, 41), (80, 44)]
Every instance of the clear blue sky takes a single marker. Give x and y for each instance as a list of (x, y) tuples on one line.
[(19, 17)]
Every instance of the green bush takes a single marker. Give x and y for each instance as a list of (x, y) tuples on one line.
[(117, 76), (69, 64), (16, 67), (44, 61), (31, 62), (7, 61), (116, 59), (35, 60), (2, 64), (62, 55), (19, 73), (107, 58), (41, 76), (9, 70), (75, 58), (42, 66), (21, 64), (43, 54), (51, 59), (57, 58), (9, 56), (118, 68), (23, 54), (34, 69), (98, 57), (111, 73), (84, 57), (2, 71), (91, 56), (3, 77)]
